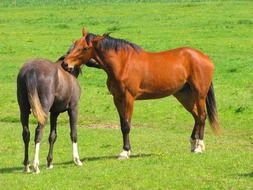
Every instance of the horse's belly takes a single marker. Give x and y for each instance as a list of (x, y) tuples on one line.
[(59, 107), (147, 96), (154, 93)]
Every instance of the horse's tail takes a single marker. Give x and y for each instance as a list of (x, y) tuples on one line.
[(212, 110), (33, 97)]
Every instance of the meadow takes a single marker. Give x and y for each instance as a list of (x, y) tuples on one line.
[(161, 128)]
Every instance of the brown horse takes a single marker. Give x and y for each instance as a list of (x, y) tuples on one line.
[(134, 74), (44, 87)]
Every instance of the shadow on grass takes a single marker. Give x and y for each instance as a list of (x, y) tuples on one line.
[(247, 174), (89, 159), (85, 159), (114, 157), (11, 170)]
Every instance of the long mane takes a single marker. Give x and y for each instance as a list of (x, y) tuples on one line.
[(116, 44)]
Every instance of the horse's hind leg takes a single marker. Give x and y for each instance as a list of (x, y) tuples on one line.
[(200, 120), (187, 98), (38, 136), (24, 117), (52, 138)]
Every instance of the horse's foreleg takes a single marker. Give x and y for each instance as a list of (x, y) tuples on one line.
[(24, 117), (125, 110), (52, 138), (73, 134), (125, 129)]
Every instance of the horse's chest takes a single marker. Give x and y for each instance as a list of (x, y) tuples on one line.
[(116, 88)]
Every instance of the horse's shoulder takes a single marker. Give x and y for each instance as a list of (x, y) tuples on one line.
[(67, 77)]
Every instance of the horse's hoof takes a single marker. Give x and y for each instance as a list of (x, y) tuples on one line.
[(36, 170), (197, 150), (197, 145), (124, 155), (27, 169), (78, 162), (50, 166)]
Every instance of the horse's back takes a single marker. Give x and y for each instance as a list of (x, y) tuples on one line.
[(189, 60), (39, 66)]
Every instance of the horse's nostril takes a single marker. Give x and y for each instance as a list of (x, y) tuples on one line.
[(64, 64)]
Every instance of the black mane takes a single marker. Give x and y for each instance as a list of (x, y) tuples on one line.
[(61, 58), (113, 43)]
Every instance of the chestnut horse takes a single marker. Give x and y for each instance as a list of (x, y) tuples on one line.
[(134, 74), (44, 87)]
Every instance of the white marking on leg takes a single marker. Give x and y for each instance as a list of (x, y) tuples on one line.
[(76, 158), (200, 147), (36, 159), (124, 154), (50, 166)]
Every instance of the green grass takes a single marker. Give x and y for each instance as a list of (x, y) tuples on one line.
[(161, 128)]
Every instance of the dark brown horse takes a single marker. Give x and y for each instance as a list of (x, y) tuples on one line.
[(134, 74), (44, 87)]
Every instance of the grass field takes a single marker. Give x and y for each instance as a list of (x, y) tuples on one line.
[(161, 128)]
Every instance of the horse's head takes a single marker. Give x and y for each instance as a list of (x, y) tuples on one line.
[(81, 53)]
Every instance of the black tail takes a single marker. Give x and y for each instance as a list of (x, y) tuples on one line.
[(212, 110), (31, 84)]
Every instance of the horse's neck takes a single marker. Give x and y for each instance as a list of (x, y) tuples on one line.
[(112, 63)]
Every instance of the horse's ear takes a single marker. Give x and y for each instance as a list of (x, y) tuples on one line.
[(84, 32)]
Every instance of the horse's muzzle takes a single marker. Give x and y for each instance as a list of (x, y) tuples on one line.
[(66, 67)]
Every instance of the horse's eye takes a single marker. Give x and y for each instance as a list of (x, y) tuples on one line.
[(85, 48)]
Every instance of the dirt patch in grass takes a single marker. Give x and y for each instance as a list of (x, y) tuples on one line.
[(102, 125)]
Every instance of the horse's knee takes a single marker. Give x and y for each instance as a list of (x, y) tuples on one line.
[(125, 127), (26, 135)]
